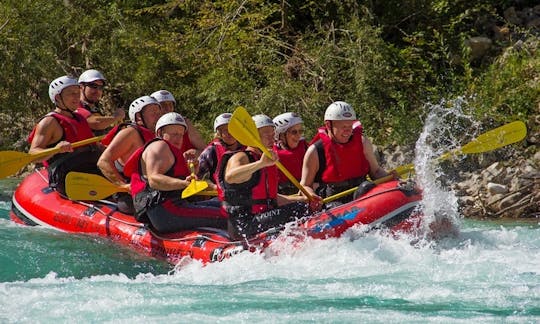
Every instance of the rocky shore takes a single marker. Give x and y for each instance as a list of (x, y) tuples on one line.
[(504, 183)]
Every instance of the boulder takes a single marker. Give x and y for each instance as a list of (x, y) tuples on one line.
[(479, 46), (496, 188)]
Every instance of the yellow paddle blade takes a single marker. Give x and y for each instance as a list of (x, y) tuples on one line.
[(243, 129), (13, 161), (496, 138), (195, 187), (86, 186), (491, 140)]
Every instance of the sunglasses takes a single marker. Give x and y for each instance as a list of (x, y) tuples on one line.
[(296, 131), (95, 86)]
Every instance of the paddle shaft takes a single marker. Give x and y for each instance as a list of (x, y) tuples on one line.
[(55, 150), (13, 161), (378, 181), (287, 173)]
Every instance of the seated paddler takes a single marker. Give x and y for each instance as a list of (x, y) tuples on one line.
[(158, 177), (61, 128), (340, 157), (248, 188)]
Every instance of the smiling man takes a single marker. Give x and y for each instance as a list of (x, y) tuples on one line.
[(160, 177), (60, 128), (341, 157)]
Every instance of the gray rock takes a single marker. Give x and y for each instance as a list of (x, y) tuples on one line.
[(509, 200), (496, 188)]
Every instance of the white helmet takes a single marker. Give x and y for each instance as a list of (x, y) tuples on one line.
[(171, 118), (59, 84), (285, 121), (138, 104), (91, 76), (222, 119), (262, 121), (163, 95), (339, 110)]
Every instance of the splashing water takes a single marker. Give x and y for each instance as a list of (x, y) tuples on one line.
[(443, 132)]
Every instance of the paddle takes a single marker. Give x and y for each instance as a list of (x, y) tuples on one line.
[(86, 186), (13, 161), (195, 186), (243, 129), (496, 138)]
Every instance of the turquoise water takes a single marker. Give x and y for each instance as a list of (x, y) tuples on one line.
[(489, 273)]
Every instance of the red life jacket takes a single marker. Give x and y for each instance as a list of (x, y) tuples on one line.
[(291, 160), (219, 150), (343, 161), (74, 129), (254, 196), (83, 110), (145, 134), (321, 132), (178, 170), (145, 197)]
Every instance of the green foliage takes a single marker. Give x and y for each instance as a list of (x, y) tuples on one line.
[(387, 58), (510, 89)]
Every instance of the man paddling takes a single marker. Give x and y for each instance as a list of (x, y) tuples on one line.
[(248, 188), (159, 176), (59, 129), (123, 140), (341, 156)]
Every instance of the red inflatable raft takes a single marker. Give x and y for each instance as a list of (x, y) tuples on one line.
[(392, 204)]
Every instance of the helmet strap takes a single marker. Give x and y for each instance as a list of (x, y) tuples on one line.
[(142, 118), (282, 140), (330, 128), (231, 147), (62, 102)]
